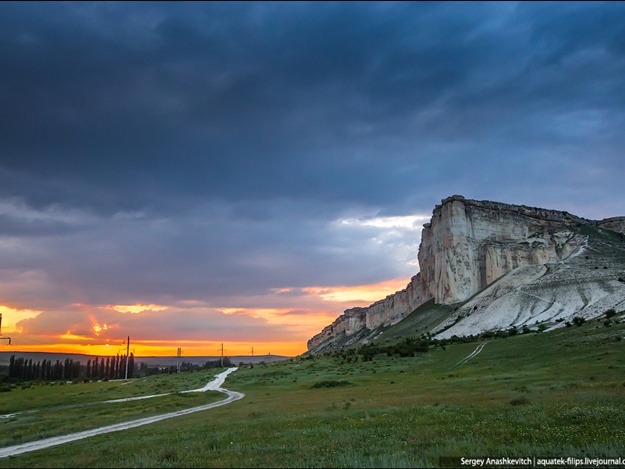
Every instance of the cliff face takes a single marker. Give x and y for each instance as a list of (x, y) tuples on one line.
[(386, 312), (467, 246)]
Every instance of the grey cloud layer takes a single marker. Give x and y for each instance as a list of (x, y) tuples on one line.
[(207, 257), (210, 146)]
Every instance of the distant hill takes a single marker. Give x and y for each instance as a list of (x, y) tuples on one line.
[(150, 361)]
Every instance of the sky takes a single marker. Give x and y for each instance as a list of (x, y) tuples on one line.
[(197, 174)]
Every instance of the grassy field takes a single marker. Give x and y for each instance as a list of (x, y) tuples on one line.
[(36, 410), (550, 394)]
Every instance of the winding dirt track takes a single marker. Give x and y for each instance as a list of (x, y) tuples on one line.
[(214, 385)]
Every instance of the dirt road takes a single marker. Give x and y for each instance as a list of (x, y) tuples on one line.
[(214, 385)]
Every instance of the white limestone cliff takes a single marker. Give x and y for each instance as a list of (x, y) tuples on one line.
[(467, 246), (386, 312)]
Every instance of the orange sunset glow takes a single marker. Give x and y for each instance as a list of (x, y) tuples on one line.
[(360, 295), (11, 317), (103, 330), (143, 348)]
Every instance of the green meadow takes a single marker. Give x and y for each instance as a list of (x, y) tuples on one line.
[(541, 394)]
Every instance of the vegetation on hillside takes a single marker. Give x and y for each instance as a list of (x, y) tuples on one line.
[(557, 393)]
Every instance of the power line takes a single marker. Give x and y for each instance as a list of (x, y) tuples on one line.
[(1, 336), (127, 354)]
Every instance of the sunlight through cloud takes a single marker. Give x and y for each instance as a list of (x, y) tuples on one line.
[(136, 308), (367, 293), (11, 316), (97, 328), (69, 336)]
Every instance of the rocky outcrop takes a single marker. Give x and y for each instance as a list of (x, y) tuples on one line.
[(615, 224), (350, 321), (383, 313), (467, 246)]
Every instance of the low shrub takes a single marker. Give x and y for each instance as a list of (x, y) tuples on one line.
[(330, 384)]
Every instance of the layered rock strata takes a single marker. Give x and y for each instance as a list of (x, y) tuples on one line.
[(467, 246), (386, 312)]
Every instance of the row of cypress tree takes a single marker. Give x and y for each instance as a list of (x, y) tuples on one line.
[(44, 370)]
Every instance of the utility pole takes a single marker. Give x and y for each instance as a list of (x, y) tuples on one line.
[(178, 359), (127, 355), (222, 354), (252, 351), (3, 338)]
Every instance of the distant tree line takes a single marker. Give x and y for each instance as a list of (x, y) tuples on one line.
[(145, 370), (44, 370), (217, 363), (99, 368), (112, 368)]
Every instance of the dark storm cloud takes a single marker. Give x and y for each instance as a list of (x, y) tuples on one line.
[(208, 147), (134, 106)]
